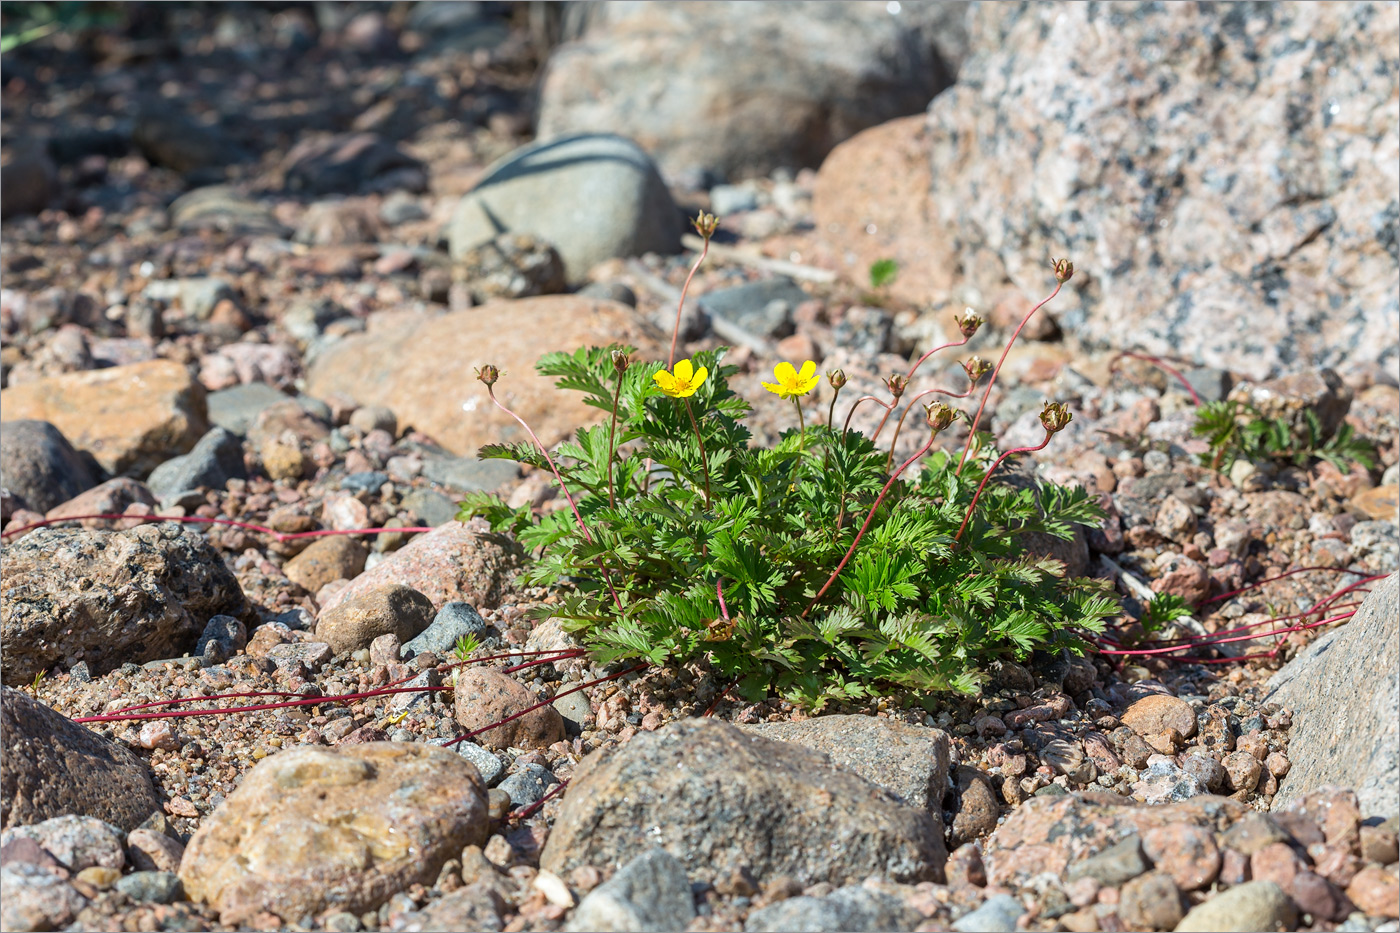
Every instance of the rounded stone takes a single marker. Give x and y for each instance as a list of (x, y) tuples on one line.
[(387, 610), (484, 697), (1254, 905), (335, 557), (1154, 715)]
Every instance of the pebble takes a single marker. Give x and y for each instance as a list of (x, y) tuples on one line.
[(997, 915), (1245, 908)]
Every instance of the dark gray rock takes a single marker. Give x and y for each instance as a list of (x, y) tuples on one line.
[(53, 766), (1120, 862), (368, 481), (762, 308), (223, 637), (452, 621), (487, 764), (350, 163), (38, 464), (849, 908), (610, 291), (149, 592), (649, 893), (469, 474), (592, 197), (723, 799), (224, 208), (431, 506), (216, 459), (528, 785), (236, 409), (1346, 707)]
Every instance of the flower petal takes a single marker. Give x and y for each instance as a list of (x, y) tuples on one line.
[(809, 369), (666, 381), (683, 371), (774, 388), (698, 379), (785, 373)]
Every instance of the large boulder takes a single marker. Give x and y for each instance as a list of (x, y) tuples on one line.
[(436, 394), (109, 597), (38, 464), (1221, 175), (590, 196), (312, 829), (1346, 707), (130, 418), (733, 89), (721, 801), (53, 767)]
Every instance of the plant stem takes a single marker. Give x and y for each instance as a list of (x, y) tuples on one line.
[(899, 425), (612, 433), (831, 409), (972, 433), (870, 516), (680, 305), (909, 378), (801, 422), (865, 398), (980, 486), (704, 460), (582, 526)]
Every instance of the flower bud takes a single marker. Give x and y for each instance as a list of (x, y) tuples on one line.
[(1064, 270), (968, 322), (896, 384), (939, 416), (488, 374), (705, 224), (620, 361), (976, 368), (1055, 416), (837, 378)]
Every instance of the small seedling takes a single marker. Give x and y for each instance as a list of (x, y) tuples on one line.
[(1162, 610), (883, 272), (1236, 430), (466, 646)]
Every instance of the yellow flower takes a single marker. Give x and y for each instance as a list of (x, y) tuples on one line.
[(791, 382), (682, 381)]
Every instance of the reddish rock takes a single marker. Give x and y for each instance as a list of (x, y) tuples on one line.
[(110, 498), (1156, 714), (1185, 852), (483, 697), (1186, 578), (1376, 892), (1151, 902), (1276, 862)]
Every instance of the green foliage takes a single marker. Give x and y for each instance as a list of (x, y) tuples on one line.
[(1239, 431), (28, 22), (883, 272), (466, 646), (1162, 610), (912, 611)]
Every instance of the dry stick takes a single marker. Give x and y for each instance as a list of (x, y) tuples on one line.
[(983, 485), (870, 516), (972, 434), (201, 520), (680, 305), (583, 527), (907, 378)]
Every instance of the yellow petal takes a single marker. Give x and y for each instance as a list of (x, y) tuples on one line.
[(683, 371), (666, 381), (774, 388), (785, 373), (698, 379), (809, 370)]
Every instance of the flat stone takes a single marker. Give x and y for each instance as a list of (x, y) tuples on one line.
[(763, 308), (850, 908), (453, 621), (470, 474), (235, 408)]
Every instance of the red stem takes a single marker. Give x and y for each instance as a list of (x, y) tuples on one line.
[(530, 709), (972, 434), (680, 305), (719, 591), (1160, 364), (1222, 641), (899, 425), (888, 406), (982, 485), (910, 376), (524, 813), (869, 517), (1255, 586)]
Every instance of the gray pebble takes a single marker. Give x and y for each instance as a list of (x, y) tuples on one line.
[(998, 915), (154, 887), (528, 785)]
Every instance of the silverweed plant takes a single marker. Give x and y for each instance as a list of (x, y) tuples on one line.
[(814, 568)]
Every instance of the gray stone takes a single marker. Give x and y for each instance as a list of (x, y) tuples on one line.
[(196, 297), (369, 481), (576, 710), (649, 893), (1346, 707), (151, 887), (216, 459), (998, 915), (911, 761), (762, 308), (236, 409), (732, 199), (36, 898), (38, 464), (77, 841), (1120, 862), (418, 703), (1211, 384), (223, 637), (452, 621), (593, 197), (469, 474), (149, 592), (720, 799), (610, 291), (1254, 905), (431, 507), (848, 908), (490, 767), (222, 207), (528, 785), (1164, 782)]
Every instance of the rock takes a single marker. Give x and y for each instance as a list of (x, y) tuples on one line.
[(153, 851), (1379, 503), (35, 897), (112, 497), (977, 808), (1120, 862), (393, 609), (215, 459), (335, 557), (1241, 770), (453, 621), (871, 203), (801, 816), (779, 89), (78, 842), (487, 764), (455, 562), (431, 395), (54, 766), (149, 591), (430, 507), (130, 418), (483, 697), (311, 829), (1151, 902), (1346, 709), (38, 464), (1376, 892), (513, 265), (28, 178), (649, 893), (849, 908), (171, 139), (351, 163), (477, 906), (1254, 905), (369, 418), (592, 197), (222, 638), (151, 887), (197, 297), (1164, 781), (1175, 521), (223, 208), (1048, 834), (1257, 232), (1155, 714), (997, 915), (1185, 852), (236, 408), (763, 308), (1319, 392), (1184, 577), (910, 761), (528, 785), (469, 474)]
